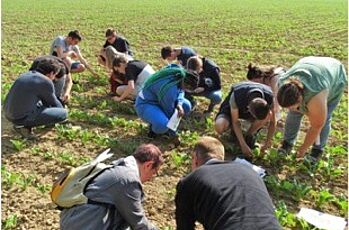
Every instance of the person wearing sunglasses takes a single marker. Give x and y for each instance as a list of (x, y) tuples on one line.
[(254, 103)]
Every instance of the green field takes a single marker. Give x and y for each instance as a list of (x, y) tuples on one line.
[(232, 33)]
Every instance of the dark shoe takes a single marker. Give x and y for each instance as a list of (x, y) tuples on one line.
[(25, 132), (75, 82), (112, 94), (151, 134), (285, 148), (193, 104), (251, 141), (314, 156), (175, 142), (210, 108)]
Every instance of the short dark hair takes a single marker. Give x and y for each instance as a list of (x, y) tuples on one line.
[(255, 71), (191, 79), (194, 62), (259, 108), (75, 34), (289, 93), (166, 52), (118, 60), (64, 69), (149, 152), (209, 147), (47, 66), (109, 32)]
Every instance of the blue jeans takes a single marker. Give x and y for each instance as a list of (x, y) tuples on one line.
[(43, 116), (293, 122), (215, 97), (155, 116)]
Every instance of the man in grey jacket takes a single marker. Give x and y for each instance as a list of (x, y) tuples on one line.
[(116, 195)]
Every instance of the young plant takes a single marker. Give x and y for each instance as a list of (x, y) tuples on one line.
[(18, 145), (179, 159), (10, 222), (323, 197)]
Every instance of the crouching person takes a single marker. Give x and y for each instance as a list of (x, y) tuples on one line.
[(135, 73), (31, 100), (209, 83), (162, 96), (222, 195), (115, 196), (254, 103)]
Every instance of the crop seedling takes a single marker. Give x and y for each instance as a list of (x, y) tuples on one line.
[(10, 222), (18, 145), (179, 159), (323, 197)]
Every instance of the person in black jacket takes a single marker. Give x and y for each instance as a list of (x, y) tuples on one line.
[(254, 103), (210, 81), (222, 195), (119, 43)]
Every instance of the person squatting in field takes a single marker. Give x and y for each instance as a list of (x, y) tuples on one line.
[(115, 196), (209, 81), (162, 94), (253, 102), (134, 72), (221, 194), (181, 54), (31, 100), (67, 48), (119, 43), (268, 75)]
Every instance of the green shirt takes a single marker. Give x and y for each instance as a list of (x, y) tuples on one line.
[(318, 74)]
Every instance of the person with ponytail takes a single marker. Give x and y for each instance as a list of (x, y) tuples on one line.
[(162, 94), (267, 75), (314, 87)]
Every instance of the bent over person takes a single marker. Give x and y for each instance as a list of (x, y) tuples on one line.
[(254, 103), (162, 96), (222, 195), (31, 100), (115, 196), (67, 48), (135, 73), (180, 54), (209, 83), (314, 87)]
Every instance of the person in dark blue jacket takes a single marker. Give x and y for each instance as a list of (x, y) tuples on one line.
[(209, 83), (162, 96), (181, 54)]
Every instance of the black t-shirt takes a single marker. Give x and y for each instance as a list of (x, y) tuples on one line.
[(133, 69), (210, 76), (121, 45)]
